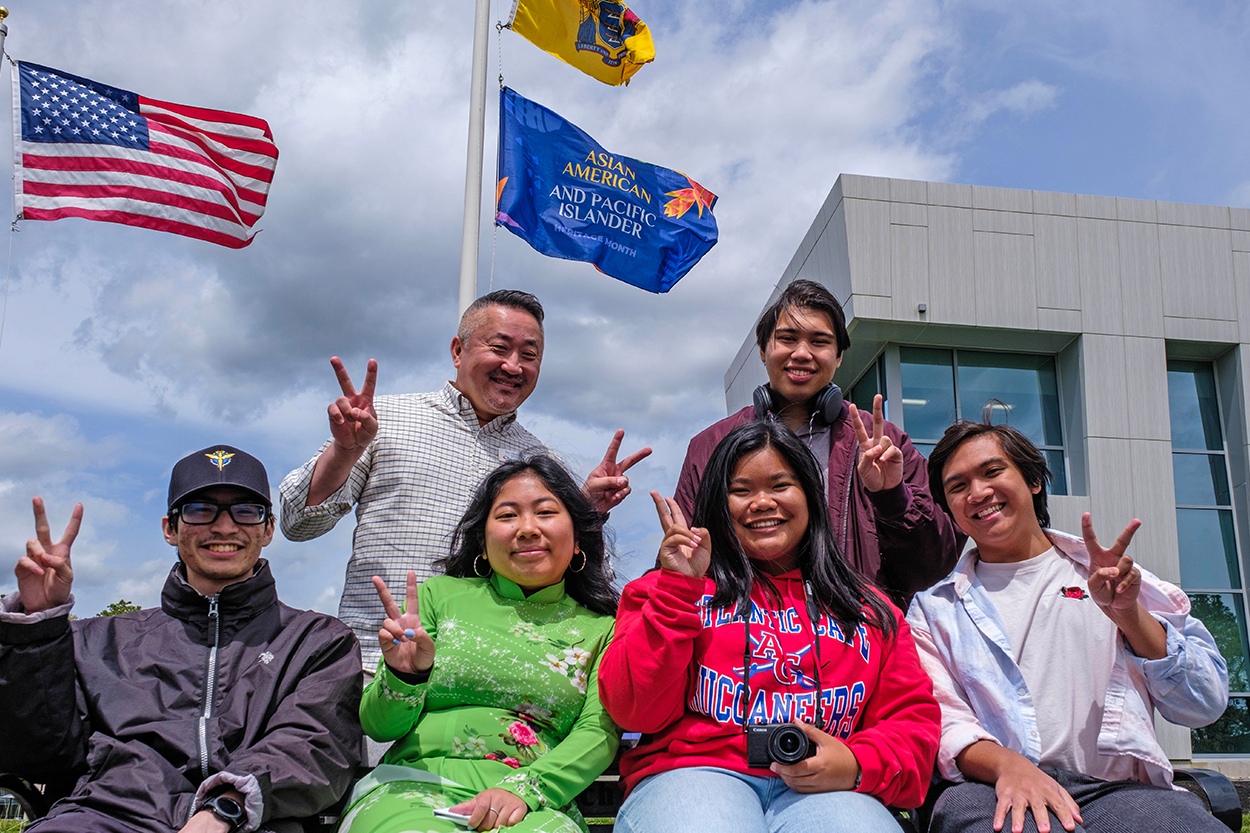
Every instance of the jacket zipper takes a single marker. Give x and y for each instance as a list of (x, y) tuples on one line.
[(209, 684)]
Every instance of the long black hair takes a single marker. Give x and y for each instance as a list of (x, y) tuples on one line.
[(837, 589), (591, 586)]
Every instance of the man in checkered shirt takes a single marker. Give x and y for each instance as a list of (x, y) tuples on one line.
[(411, 462)]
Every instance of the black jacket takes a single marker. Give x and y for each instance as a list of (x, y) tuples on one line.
[(120, 703)]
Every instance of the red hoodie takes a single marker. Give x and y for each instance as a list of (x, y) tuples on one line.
[(674, 672)]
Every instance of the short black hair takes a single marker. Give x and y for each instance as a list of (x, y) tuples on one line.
[(803, 294), (1018, 448), (591, 587), (511, 298)]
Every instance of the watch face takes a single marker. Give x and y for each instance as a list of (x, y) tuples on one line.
[(226, 809)]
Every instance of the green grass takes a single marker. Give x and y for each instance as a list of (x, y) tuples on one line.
[(12, 825)]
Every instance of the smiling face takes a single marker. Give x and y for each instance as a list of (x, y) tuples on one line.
[(529, 534), (801, 355), (497, 365), (223, 552), (769, 510), (990, 500)]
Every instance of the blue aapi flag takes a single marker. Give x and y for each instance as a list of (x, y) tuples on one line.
[(562, 193)]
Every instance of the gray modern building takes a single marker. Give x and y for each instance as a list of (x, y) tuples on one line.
[(1114, 332)]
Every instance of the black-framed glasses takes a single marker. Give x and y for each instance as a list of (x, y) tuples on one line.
[(244, 514)]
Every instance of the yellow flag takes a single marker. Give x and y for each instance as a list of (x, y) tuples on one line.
[(603, 39)]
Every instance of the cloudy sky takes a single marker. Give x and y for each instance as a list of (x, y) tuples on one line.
[(124, 349)]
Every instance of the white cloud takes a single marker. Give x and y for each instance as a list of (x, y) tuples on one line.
[(1023, 99)]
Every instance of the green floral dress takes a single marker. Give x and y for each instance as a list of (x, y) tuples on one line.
[(512, 702)]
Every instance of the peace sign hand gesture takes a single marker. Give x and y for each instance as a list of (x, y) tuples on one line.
[(683, 550), (880, 461), (353, 422), (44, 574), (607, 485), (1114, 582), (406, 646)]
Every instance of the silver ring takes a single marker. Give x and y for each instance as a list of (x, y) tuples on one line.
[(492, 810)]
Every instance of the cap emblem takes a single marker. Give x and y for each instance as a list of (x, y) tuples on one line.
[(220, 459)]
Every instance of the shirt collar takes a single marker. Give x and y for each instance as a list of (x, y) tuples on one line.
[(965, 572), (509, 590), (459, 404)]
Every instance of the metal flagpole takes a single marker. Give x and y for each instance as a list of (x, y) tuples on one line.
[(473, 172)]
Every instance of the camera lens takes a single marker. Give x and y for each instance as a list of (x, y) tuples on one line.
[(788, 745)]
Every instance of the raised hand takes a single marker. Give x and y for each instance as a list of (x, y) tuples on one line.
[(44, 574), (880, 463), (607, 485), (683, 550), (406, 646), (353, 422), (1114, 582)]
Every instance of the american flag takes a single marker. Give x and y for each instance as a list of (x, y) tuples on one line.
[(98, 152)]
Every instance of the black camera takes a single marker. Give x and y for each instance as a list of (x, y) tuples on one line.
[(783, 743)]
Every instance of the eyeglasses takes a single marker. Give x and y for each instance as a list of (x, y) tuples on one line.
[(244, 514)]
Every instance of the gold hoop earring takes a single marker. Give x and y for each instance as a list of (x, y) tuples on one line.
[(583, 567), (480, 574)]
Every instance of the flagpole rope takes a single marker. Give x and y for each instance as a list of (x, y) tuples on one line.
[(494, 225), (13, 230)]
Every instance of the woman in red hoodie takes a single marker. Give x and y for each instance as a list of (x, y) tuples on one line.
[(835, 720)]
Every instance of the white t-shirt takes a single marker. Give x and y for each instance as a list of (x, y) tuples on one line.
[(1065, 647)]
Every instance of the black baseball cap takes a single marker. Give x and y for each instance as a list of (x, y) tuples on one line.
[(218, 465)]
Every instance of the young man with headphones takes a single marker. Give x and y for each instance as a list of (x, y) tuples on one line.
[(876, 485)]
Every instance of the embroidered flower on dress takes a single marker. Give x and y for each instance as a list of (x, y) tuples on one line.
[(523, 734), (578, 680), (557, 664), (512, 762), (576, 655), (475, 747)]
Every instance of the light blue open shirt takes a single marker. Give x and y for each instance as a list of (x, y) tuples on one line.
[(963, 646)]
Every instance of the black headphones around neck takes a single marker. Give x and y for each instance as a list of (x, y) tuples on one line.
[(826, 405)]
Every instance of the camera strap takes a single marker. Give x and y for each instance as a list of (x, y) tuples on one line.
[(746, 657)]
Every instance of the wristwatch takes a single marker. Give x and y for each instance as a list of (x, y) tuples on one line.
[(226, 809)]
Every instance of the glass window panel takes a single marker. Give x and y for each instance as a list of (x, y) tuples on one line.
[(928, 391), (1058, 474), (1230, 735), (868, 386), (1192, 405), (1224, 616), (925, 449), (1208, 549), (1025, 384), (1200, 479)]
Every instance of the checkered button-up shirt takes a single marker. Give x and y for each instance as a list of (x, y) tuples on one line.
[(410, 489)]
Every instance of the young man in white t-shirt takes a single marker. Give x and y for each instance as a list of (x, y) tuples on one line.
[(1049, 655)]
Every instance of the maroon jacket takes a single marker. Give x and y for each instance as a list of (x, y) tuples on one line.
[(896, 537)]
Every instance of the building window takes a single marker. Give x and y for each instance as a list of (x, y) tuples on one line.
[(1207, 533), (941, 386), (871, 383)]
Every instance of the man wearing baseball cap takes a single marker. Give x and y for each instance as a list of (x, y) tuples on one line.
[(221, 710)]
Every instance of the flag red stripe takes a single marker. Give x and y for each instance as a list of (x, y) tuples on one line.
[(129, 166), (131, 192), (129, 219), (217, 159), (209, 115), (260, 147)]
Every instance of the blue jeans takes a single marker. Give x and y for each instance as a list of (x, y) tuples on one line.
[(707, 798)]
